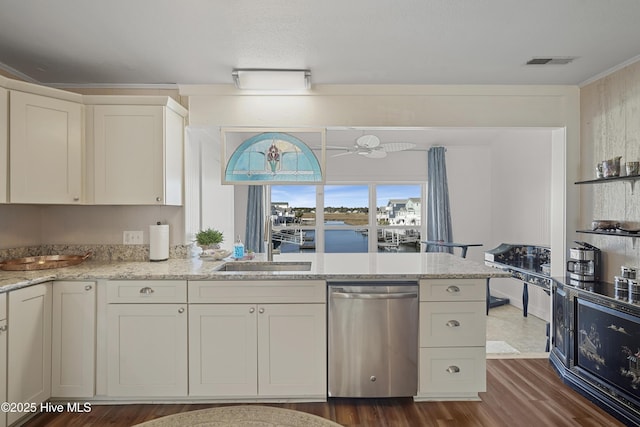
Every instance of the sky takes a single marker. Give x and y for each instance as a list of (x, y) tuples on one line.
[(353, 196)]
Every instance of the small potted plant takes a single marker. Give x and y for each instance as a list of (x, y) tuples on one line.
[(209, 238)]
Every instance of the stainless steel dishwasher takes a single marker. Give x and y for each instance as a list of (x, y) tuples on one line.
[(373, 339)]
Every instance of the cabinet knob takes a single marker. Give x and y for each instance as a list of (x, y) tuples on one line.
[(251, 310), (453, 369), (3, 328), (373, 378), (88, 288), (453, 323), (75, 199), (453, 289), (158, 199), (146, 290), (181, 310), (261, 311)]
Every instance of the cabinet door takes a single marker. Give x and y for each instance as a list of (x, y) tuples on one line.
[(147, 350), (73, 339), (3, 355), (128, 154), (223, 350), (45, 149), (29, 346), (292, 355)]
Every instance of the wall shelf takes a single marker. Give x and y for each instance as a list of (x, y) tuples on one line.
[(631, 179), (612, 233)]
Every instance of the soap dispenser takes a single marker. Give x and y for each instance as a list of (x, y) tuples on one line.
[(238, 248)]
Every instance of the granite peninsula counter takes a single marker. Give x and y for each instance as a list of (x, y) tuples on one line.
[(188, 330), (381, 266)]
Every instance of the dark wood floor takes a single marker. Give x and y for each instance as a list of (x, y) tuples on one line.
[(520, 392)]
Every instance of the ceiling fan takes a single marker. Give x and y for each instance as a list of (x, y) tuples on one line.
[(369, 146)]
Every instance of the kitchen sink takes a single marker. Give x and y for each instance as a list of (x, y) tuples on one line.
[(266, 266)]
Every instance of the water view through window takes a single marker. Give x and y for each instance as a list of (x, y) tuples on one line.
[(350, 216)]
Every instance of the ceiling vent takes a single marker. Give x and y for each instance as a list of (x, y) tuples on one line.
[(551, 61)]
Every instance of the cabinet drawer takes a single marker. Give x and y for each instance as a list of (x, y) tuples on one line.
[(257, 291), (452, 324), (147, 291), (453, 290), (457, 370)]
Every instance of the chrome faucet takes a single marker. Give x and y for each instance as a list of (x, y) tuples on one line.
[(268, 233)]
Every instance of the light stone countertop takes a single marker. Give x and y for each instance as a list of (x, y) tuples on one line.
[(376, 266)]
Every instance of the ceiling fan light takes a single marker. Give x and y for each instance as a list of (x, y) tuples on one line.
[(368, 141), (271, 79)]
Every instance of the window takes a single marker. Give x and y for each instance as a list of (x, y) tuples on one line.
[(343, 218), (346, 218), (399, 217), (271, 156)]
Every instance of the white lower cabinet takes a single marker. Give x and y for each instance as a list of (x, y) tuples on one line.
[(292, 350), (73, 339), (3, 356), (223, 350), (245, 350), (147, 340), (29, 347), (452, 339), (446, 373)]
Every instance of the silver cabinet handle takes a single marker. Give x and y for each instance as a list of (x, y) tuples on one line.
[(453, 289), (373, 378), (261, 311), (251, 310), (453, 323), (75, 199), (453, 369), (3, 328), (146, 290), (88, 288), (158, 199), (181, 310)]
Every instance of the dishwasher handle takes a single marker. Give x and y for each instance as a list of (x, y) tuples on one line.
[(374, 296)]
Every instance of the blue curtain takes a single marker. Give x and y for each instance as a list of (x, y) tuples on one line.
[(254, 234), (438, 212)]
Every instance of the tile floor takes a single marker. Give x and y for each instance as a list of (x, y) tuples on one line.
[(525, 334)]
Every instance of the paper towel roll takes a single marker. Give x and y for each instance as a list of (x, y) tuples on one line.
[(159, 242)]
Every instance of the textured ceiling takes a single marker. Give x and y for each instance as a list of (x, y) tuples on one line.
[(341, 41)]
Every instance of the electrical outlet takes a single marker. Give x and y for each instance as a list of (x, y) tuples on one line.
[(132, 237)]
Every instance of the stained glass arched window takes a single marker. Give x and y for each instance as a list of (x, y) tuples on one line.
[(273, 157)]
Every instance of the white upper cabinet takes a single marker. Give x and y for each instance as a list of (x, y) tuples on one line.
[(60, 147), (45, 146), (134, 151)]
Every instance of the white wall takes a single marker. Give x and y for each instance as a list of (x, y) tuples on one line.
[(610, 127), (105, 224), (20, 226), (521, 206), (469, 179)]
